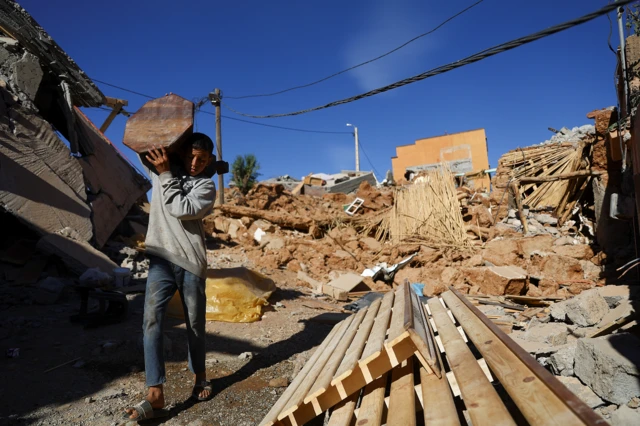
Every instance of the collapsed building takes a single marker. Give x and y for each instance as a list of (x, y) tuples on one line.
[(59, 175)]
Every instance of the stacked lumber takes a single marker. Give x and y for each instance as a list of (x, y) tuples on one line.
[(356, 353), (445, 369)]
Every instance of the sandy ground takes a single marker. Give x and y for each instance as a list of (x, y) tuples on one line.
[(109, 374)]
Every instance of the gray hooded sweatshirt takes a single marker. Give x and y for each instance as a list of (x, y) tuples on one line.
[(178, 204)]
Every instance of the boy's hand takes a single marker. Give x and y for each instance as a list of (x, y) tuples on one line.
[(160, 159)]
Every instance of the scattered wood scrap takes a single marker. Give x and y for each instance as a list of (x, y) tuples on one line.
[(502, 305)]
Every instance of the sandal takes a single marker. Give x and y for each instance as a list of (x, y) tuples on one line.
[(202, 386), (145, 412)]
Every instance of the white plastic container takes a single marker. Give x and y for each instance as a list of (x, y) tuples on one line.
[(122, 276)]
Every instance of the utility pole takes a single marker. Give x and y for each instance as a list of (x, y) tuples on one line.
[(355, 135), (216, 98)]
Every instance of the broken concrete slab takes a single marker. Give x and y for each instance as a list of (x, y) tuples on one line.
[(625, 416), (77, 255), (561, 362), (27, 74), (553, 333), (39, 182), (114, 183), (586, 309), (623, 309), (610, 366), (534, 348), (581, 391)]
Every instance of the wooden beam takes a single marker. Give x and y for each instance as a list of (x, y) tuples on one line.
[(402, 401), (515, 189), (112, 115), (116, 106), (571, 175), (481, 399), (112, 102), (541, 398)]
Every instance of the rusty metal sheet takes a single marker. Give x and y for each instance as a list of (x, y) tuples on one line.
[(163, 122)]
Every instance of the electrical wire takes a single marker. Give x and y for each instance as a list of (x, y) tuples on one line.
[(368, 160), (453, 65), (199, 110), (280, 127), (610, 33), (122, 88), (451, 18)]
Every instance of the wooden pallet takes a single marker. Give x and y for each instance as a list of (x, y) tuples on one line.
[(357, 352), (404, 395)]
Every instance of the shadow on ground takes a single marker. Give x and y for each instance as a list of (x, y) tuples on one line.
[(47, 339)]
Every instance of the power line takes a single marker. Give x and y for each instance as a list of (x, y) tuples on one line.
[(122, 88), (284, 128), (363, 63), (453, 65), (224, 116), (369, 160)]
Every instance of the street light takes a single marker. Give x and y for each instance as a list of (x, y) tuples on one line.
[(355, 134)]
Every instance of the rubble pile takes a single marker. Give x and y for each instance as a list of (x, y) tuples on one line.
[(304, 233), (315, 236), (589, 341)]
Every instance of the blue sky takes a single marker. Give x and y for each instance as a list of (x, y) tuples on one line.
[(249, 47)]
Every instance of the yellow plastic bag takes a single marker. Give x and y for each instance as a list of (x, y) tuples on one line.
[(233, 295)]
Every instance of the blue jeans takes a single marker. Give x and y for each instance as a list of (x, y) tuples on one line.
[(163, 281)]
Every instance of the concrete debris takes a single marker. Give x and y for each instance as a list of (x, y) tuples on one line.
[(586, 309), (554, 334), (625, 416), (582, 391), (562, 361), (609, 365), (245, 355)]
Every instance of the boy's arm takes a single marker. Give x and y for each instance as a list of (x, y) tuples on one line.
[(194, 205)]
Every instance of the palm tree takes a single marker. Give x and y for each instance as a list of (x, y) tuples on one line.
[(244, 172)]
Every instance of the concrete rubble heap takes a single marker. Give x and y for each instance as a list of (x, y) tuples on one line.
[(62, 199)]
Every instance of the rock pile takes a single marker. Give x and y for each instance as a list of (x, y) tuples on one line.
[(570, 339)]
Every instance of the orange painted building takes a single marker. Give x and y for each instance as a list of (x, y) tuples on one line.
[(463, 151)]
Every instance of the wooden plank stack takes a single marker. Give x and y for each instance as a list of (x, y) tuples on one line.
[(401, 361)]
